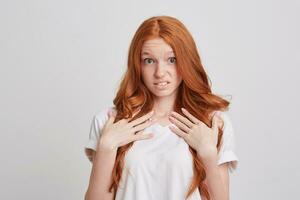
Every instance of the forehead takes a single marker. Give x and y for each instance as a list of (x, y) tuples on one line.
[(156, 45)]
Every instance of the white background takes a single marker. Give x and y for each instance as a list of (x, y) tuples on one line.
[(61, 62)]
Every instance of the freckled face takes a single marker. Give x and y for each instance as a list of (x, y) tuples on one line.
[(159, 70)]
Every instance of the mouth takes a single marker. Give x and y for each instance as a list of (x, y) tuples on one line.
[(163, 83)]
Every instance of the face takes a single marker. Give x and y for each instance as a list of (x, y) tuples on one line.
[(159, 69)]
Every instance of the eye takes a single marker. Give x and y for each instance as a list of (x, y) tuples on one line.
[(172, 60), (148, 61)]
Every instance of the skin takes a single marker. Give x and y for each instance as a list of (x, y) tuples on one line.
[(204, 140), (158, 64), (113, 136)]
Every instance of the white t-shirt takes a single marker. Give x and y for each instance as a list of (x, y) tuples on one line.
[(160, 168)]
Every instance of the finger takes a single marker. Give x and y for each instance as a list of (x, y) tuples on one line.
[(142, 136), (111, 118), (123, 121), (144, 125), (178, 132), (134, 114), (213, 113), (217, 113), (216, 122), (127, 120), (179, 124), (191, 117), (141, 119), (221, 122), (182, 119), (137, 112)]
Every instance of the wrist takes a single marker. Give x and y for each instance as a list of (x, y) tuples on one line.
[(208, 153), (106, 148), (104, 145)]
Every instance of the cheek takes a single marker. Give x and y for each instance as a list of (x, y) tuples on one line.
[(177, 75), (178, 80), (146, 75)]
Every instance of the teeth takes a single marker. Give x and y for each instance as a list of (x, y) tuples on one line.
[(163, 83)]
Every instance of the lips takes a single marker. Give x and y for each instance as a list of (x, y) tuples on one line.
[(162, 83)]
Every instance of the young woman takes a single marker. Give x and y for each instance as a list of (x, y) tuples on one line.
[(167, 137)]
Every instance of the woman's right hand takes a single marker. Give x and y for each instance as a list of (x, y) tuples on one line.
[(123, 132)]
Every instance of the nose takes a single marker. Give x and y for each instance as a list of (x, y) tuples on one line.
[(160, 70)]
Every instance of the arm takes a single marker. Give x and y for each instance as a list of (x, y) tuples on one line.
[(113, 135), (217, 178), (100, 177)]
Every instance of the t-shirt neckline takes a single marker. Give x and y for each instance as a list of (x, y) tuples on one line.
[(162, 126)]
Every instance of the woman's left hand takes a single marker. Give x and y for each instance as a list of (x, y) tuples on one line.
[(196, 133)]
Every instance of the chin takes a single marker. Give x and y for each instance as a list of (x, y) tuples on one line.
[(164, 93)]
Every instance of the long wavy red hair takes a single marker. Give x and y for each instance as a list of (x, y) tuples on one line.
[(194, 92)]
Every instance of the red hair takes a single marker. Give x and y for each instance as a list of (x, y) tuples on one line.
[(194, 92)]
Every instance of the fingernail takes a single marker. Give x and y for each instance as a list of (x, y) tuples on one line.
[(172, 125)]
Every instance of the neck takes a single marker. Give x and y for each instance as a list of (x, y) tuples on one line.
[(163, 106)]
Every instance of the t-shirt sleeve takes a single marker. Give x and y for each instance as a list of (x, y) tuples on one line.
[(97, 124), (227, 151)]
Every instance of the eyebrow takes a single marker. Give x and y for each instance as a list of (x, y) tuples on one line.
[(147, 53)]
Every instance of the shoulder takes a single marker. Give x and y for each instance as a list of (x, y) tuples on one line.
[(228, 131), (99, 119), (101, 116), (227, 150), (225, 118)]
